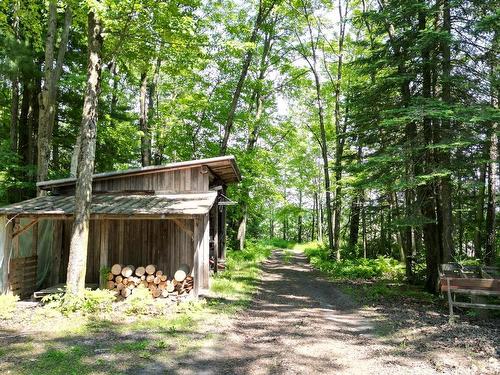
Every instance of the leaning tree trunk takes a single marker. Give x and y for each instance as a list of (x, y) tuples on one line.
[(49, 89), (78, 247), (143, 121), (247, 59)]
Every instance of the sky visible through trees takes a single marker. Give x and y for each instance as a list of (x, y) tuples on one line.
[(369, 125)]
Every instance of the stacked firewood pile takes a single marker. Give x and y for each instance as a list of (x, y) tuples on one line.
[(125, 279)]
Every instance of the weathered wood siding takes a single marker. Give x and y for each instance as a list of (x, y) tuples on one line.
[(136, 242), (195, 179)]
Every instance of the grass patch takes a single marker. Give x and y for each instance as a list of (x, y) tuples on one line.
[(131, 346), (352, 269), (280, 243), (368, 293), (60, 361), (238, 281), (287, 256)]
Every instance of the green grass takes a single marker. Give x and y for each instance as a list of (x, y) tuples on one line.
[(238, 281), (287, 256), (352, 269), (60, 361), (131, 346), (382, 289)]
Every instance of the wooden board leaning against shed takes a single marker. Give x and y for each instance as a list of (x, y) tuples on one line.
[(166, 215)]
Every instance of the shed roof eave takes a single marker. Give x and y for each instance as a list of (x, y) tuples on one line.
[(46, 185)]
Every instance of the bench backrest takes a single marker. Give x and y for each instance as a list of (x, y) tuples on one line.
[(471, 284)]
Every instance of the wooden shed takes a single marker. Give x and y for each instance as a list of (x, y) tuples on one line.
[(164, 215)]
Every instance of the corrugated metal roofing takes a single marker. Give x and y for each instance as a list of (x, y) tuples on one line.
[(224, 167), (112, 204)]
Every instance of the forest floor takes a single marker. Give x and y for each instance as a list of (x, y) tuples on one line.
[(297, 323)]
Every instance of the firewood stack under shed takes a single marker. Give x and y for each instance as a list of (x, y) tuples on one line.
[(125, 279)]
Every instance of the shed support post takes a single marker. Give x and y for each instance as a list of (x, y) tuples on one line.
[(214, 230), (6, 228), (104, 250), (56, 251), (205, 251), (196, 260)]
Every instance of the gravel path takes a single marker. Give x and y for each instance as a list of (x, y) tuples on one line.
[(299, 323)]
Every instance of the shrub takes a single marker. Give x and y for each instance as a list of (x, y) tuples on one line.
[(381, 267), (7, 306), (93, 301)]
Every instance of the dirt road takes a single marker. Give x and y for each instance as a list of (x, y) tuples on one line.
[(300, 323)]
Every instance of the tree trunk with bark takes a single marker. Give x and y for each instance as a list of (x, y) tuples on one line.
[(48, 95), (247, 59), (339, 132), (143, 121), (444, 188), (77, 263), (426, 192)]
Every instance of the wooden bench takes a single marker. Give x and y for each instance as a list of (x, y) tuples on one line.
[(470, 280)]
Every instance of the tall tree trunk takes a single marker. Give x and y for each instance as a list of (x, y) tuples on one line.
[(363, 223), (77, 264), (426, 192), (143, 121), (339, 133), (253, 132), (299, 221), (153, 105), (479, 231), (14, 108), (356, 207), (48, 95), (444, 156), (247, 59), (490, 250)]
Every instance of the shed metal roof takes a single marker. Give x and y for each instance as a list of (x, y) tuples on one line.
[(224, 167), (141, 205)]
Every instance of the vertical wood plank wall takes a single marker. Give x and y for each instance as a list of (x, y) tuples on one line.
[(136, 242), (177, 181)]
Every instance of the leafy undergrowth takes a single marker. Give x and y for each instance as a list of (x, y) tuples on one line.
[(81, 339), (351, 269), (239, 279)]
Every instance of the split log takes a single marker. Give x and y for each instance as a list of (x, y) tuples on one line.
[(126, 292), (118, 279), (170, 288), (182, 272), (150, 269), (125, 281), (116, 269), (128, 271), (156, 293), (150, 278), (159, 273), (163, 278), (157, 280), (110, 285), (119, 286), (110, 276), (140, 271), (162, 285)]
